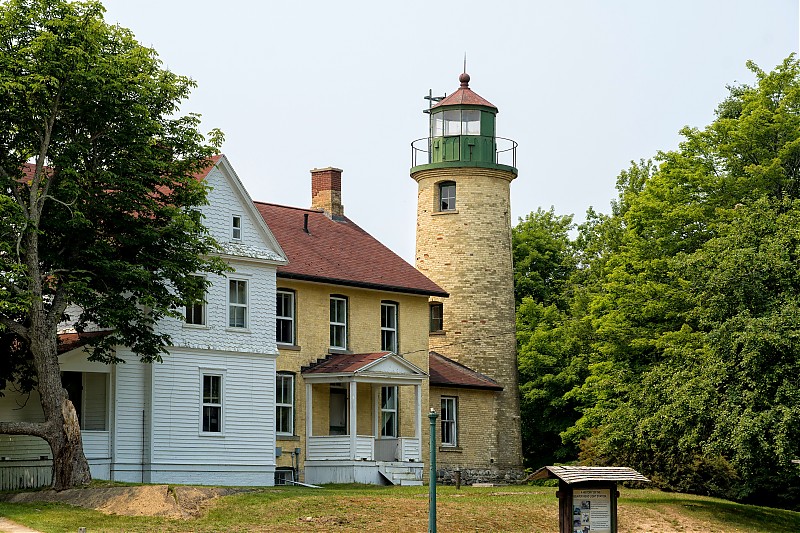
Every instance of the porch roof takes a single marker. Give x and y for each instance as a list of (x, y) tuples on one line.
[(375, 367)]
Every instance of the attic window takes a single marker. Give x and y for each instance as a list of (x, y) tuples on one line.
[(236, 228)]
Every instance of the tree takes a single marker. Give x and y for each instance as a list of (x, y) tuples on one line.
[(692, 374), (543, 256), (98, 201)]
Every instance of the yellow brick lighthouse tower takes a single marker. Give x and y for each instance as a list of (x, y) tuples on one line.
[(464, 172)]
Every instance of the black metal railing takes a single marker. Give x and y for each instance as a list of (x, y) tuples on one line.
[(505, 151)]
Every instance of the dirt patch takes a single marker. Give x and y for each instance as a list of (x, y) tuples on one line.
[(147, 500)]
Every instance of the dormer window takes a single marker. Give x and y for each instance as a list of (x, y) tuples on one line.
[(236, 228)]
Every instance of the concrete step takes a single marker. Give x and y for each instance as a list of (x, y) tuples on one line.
[(410, 483)]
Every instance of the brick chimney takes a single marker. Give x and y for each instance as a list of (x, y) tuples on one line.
[(326, 191)]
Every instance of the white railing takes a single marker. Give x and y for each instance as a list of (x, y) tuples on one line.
[(409, 449), (337, 448)]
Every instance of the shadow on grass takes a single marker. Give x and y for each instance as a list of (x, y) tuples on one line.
[(735, 515)]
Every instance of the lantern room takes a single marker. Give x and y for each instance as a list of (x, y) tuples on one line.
[(462, 133)]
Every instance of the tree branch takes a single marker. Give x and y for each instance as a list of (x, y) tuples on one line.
[(15, 327), (37, 429)]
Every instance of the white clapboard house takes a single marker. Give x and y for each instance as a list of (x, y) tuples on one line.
[(204, 415)]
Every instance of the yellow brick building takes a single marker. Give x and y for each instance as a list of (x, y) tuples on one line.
[(352, 331)]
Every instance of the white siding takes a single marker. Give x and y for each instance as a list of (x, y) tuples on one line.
[(131, 416), (258, 337), (16, 407), (248, 410)]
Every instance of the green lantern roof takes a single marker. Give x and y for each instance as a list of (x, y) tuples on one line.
[(465, 96)]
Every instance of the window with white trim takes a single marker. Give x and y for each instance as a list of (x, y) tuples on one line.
[(211, 411), (284, 317), (237, 303), (284, 404), (338, 322), (389, 327), (236, 227), (196, 311), (389, 411), (449, 421), (447, 196)]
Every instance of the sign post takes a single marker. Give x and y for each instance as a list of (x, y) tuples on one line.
[(587, 496)]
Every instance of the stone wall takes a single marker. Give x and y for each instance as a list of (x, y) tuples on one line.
[(467, 252)]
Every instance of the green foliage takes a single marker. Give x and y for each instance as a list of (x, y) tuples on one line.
[(97, 187), (687, 294), (543, 258)]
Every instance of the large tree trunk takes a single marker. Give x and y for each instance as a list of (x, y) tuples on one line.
[(70, 467), (61, 428)]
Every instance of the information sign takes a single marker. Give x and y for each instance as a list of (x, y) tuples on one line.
[(591, 511)]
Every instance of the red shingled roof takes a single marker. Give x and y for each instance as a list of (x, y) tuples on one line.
[(339, 252), (341, 363), (69, 341), (445, 372), (465, 96)]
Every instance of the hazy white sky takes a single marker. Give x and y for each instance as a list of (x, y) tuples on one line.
[(583, 86)]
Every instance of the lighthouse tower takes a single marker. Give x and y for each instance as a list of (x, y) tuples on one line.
[(464, 171)]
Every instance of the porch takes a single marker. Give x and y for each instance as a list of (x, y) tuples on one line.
[(357, 428)]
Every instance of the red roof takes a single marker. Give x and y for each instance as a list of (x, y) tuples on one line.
[(69, 341), (338, 252), (343, 363), (465, 96), (445, 372)]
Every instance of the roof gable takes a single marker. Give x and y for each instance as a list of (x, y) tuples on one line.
[(377, 365), (227, 197), (339, 252)]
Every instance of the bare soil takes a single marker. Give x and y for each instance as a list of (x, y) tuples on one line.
[(148, 500)]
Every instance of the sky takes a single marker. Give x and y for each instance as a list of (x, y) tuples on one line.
[(584, 87)]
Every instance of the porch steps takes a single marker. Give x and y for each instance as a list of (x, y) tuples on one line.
[(401, 475)]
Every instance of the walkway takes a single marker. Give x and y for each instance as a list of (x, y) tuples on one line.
[(7, 526)]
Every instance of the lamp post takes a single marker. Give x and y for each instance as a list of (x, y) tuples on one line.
[(432, 416)]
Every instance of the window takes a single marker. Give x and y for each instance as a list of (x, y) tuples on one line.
[(447, 196), (237, 303), (196, 312), (449, 423), (339, 322), (454, 122), (389, 327), (388, 411), (284, 317), (437, 317), (211, 414), (284, 404), (470, 122), (236, 227)]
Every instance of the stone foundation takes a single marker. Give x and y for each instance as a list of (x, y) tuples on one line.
[(470, 476)]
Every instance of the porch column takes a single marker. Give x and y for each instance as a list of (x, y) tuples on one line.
[(309, 411), (376, 410), (353, 419), (418, 418)]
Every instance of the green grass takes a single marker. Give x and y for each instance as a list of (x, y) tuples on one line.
[(359, 508)]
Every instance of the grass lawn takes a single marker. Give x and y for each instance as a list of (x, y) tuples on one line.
[(359, 508)]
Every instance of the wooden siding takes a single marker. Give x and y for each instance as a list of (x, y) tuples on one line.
[(248, 409), (130, 410)]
